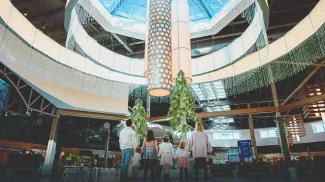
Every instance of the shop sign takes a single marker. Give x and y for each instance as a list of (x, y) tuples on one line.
[(39, 150), (295, 158), (11, 149), (108, 156)]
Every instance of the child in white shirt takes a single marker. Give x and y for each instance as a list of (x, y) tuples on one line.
[(182, 155), (136, 162), (166, 152)]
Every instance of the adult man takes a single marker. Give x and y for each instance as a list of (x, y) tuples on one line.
[(128, 144)]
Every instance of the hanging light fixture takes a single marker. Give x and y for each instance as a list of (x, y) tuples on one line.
[(158, 50), (316, 109), (295, 126), (181, 41)]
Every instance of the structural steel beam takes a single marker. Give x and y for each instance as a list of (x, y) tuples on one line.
[(65, 112), (123, 42), (205, 9), (117, 7), (251, 110), (301, 103), (303, 82), (27, 95), (247, 111), (224, 113)]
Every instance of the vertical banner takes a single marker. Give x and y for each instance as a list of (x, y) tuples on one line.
[(245, 148)]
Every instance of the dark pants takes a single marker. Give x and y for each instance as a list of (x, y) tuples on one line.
[(200, 163), (149, 164), (181, 173)]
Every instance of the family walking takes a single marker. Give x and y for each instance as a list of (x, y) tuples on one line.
[(150, 152)]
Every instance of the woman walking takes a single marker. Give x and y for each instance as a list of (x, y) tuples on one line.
[(150, 150), (200, 146), (183, 164), (166, 153)]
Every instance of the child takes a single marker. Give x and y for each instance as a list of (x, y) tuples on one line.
[(136, 163), (182, 155), (166, 153)]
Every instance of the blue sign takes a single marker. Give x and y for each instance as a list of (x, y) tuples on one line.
[(245, 148)]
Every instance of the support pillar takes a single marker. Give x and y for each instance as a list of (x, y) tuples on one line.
[(252, 133), (51, 148), (148, 106), (106, 148), (308, 150), (280, 123), (283, 139)]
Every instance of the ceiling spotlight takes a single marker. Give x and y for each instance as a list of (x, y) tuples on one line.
[(43, 25), (25, 13)]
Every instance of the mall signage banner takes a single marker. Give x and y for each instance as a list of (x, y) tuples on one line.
[(245, 148)]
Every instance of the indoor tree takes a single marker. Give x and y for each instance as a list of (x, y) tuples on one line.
[(139, 119), (182, 107)]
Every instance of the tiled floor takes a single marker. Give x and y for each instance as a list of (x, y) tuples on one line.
[(73, 179)]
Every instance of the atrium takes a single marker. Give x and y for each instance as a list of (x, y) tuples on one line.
[(75, 74)]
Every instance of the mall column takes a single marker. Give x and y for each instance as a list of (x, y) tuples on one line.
[(51, 148), (280, 123), (252, 133)]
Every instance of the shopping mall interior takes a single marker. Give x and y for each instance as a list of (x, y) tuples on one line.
[(72, 72)]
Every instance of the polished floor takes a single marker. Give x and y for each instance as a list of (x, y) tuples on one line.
[(253, 179)]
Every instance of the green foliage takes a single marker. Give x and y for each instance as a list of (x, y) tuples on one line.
[(139, 119), (182, 106), (283, 139)]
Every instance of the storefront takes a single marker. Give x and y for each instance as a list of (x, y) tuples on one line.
[(88, 157), (113, 158)]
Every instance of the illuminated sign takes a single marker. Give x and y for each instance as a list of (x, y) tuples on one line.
[(108, 156)]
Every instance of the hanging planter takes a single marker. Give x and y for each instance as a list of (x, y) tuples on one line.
[(139, 119), (182, 107)]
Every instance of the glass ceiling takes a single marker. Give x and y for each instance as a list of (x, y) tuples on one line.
[(200, 10), (209, 95)]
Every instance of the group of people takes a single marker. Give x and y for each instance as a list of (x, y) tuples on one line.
[(198, 145)]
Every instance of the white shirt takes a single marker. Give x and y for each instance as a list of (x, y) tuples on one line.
[(200, 144), (128, 139), (166, 148), (182, 153), (136, 159)]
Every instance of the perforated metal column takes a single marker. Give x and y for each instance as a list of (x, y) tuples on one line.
[(159, 48)]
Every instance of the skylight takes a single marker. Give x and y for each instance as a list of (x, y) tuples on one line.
[(200, 10), (209, 95)]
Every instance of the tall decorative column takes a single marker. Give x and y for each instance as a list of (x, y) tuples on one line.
[(159, 54), (146, 41), (252, 133), (51, 148), (181, 40), (283, 139)]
